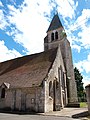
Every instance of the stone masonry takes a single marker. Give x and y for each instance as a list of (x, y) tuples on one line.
[(65, 48), (88, 97), (40, 82)]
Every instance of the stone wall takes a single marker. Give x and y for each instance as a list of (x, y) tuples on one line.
[(67, 59), (53, 76), (88, 97), (37, 99), (49, 44), (24, 99), (2, 103)]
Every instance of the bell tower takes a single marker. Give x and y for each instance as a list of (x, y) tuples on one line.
[(56, 36)]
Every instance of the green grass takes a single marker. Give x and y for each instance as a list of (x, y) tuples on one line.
[(83, 104)]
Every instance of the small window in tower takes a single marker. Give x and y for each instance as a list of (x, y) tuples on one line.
[(56, 35), (52, 36), (3, 93)]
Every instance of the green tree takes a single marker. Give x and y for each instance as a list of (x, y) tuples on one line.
[(79, 83)]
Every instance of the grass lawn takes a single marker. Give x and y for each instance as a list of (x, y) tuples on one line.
[(83, 104)]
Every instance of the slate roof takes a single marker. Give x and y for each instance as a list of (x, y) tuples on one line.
[(27, 71), (55, 23)]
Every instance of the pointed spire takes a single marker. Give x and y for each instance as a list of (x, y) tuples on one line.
[(55, 23)]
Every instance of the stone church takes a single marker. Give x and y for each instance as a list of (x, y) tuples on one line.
[(40, 82)]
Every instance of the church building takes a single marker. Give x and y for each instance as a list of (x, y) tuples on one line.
[(40, 82)]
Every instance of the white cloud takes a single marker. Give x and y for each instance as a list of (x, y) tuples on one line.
[(3, 22), (81, 20), (85, 36), (86, 80), (84, 65), (70, 5), (6, 54), (1, 4), (78, 31), (31, 22), (77, 47), (31, 25)]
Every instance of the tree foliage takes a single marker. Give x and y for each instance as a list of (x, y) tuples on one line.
[(79, 83)]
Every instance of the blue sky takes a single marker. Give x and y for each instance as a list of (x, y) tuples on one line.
[(23, 26)]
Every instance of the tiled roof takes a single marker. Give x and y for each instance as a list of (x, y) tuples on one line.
[(27, 71), (55, 23)]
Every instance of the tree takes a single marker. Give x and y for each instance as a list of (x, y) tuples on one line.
[(79, 83)]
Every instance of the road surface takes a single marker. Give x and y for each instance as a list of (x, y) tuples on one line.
[(4, 116)]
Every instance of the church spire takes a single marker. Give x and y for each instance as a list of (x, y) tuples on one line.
[(54, 34), (55, 23)]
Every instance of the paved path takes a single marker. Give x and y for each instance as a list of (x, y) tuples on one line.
[(67, 112), (4, 116), (64, 114)]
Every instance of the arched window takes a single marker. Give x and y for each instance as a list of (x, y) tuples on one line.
[(50, 88), (56, 35), (3, 93), (52, 36)]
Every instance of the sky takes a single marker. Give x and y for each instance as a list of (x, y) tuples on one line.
[(23, 26)]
